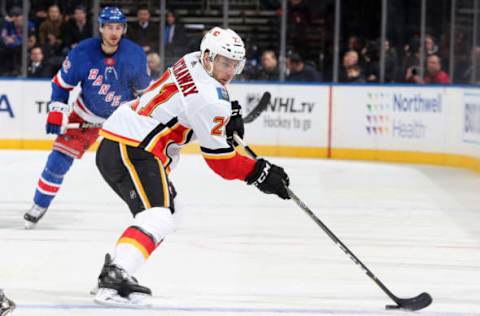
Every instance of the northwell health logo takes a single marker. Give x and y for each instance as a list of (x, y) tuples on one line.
[(401, 114), (377, 118)]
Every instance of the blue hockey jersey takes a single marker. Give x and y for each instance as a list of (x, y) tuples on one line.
[(106, 80)]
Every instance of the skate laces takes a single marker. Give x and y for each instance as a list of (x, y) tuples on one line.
[(117, 272), (36, 211)]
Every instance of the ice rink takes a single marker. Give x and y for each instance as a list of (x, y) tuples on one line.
[(237, 251)]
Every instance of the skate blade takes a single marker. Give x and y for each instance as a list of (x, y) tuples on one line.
[(109, 297), (30, 225), (8, 312)]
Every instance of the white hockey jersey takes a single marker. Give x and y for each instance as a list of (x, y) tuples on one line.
[(186, 103)]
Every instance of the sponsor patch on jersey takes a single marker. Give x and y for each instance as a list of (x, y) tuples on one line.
[(223, 94), (66, 65)]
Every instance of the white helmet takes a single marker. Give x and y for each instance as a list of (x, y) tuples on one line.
[(224, 42)]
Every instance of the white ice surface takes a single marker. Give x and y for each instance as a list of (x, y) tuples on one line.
[(239, 252)]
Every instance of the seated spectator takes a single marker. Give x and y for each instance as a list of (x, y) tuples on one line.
[(434, 73), (269, 67), (371, 61), (430, 47), (411, 61), (49, 33), (351, 70), (467, 75), (174, 38), (76, 29), (11, 37), (391, 62), (301, 72), (153, 62), (354, 43), (37, 68), (144, 32)]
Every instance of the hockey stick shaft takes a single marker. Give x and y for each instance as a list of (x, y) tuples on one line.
[(83, 125), (330, 234)]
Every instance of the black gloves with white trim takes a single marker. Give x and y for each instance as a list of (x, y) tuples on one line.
[(269, 178), (235, 124)]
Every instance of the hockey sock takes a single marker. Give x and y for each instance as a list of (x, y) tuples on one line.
[(51, 178), (134, 248), (139, 240)]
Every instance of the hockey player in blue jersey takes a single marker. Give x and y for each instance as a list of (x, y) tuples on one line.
[(110, 70)]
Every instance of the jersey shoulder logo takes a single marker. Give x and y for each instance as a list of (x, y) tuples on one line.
[(223, 94), (66, 65)]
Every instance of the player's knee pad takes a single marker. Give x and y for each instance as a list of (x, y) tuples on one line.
[(58, 164), (158, 221)]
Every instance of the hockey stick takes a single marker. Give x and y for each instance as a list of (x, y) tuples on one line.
[(258, 109), (84, 125), (411, 304), (254, 113)]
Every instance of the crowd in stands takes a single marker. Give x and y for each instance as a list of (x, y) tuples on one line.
[(55, 29), (52, 33)]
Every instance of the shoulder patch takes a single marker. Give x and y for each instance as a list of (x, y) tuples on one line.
[(223, 94), (66, 65)]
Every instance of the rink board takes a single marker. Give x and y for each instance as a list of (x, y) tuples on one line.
[(421, 124)]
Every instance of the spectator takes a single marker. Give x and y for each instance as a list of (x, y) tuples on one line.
[(77, 28), (434, 73), (269, 67), (299, 71), (463, 58), (466, 76), (391, 62), (153, 62), (49, 33), (11, 35), (174, 38), (371, 61), (351, 71), (354, 43), (144, 32), (37, 68), (411, 61), (430, 47), (38, 9)]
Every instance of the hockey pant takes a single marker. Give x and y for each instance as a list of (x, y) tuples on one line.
[(140, 179)]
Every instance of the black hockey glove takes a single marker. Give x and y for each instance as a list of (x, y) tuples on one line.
[(269, 178), (235, 124)]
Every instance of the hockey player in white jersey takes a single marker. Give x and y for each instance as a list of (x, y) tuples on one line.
[(141, 145)]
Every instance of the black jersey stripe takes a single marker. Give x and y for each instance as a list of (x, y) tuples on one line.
[(218, 151), (160, 127)]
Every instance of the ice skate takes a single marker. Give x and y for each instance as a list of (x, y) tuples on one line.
[(119, 289), (6, 306), (33, 216)]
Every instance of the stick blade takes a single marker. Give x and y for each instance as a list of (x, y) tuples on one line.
[(259, 108), (412, 304)]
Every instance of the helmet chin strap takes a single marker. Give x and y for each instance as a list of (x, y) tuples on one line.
[(210, 59)]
